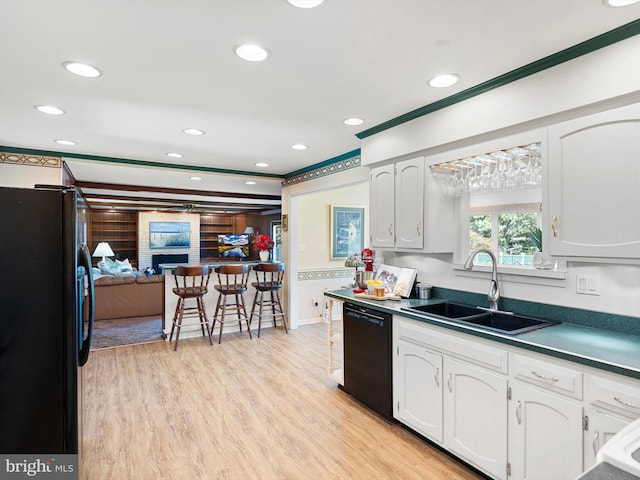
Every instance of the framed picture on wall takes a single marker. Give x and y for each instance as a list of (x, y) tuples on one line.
[(169, 234), (347, 231)]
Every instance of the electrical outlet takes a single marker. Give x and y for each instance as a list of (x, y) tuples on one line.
[(316, 302)]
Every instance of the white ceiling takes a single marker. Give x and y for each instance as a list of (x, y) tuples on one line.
[(169, 65)]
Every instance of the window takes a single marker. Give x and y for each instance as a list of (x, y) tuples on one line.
[(500, 198), (512, 233)]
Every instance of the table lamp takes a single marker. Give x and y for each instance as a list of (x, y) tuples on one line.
[(103, 250)]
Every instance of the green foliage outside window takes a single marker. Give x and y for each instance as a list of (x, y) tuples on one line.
[(519, 237)]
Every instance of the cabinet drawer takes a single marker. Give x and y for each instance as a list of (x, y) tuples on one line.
[(618, 396), (548, 375), (477, 351)]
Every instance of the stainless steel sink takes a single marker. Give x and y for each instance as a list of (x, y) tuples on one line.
[(494, 320)]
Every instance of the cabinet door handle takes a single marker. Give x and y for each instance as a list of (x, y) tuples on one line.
[(627, 404), (391, 229), (595, 442), (518, 413), (418, 228), (554, 225), (437, 377), (449, 383), (543, 377)]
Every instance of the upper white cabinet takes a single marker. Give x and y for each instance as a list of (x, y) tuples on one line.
[(409, 205), (593, 179), (382, 206), (407, 209)]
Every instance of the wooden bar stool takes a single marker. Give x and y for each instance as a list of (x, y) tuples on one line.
[(232, 283), (191, 282), (269, 281)]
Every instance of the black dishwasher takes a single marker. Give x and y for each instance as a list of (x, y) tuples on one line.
[(367, 357)]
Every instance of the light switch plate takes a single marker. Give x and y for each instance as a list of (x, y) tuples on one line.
[(587, 285)]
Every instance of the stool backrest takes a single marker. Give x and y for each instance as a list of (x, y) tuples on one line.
[(269, 275), (192, 276), (233, 274)]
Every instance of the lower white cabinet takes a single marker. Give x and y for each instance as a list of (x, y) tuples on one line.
[(611, 404), (545, 435), (459, 405), (511, 413), (475, 419), (417, 390), (602, 425)]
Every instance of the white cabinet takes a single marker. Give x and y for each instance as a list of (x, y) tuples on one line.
[(545, 427), (601, 427), (592, 181), (336, 348), (613, 403), (545, 435), (382, 206), (417, 389), (407, 210), (409, 203), (464, 406), (475, 406)]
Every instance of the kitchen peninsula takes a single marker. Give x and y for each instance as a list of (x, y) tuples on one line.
[(191, 325)]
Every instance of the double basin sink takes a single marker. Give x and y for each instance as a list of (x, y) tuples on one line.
[(494, 320)]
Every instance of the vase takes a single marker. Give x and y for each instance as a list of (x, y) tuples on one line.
[(264, 255)]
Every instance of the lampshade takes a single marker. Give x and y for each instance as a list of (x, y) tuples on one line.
[(103, 250), (249, 230)]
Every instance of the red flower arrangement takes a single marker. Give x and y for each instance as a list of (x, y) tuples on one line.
[(263, 242)]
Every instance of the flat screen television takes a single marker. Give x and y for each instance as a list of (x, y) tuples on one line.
[(233, 245)]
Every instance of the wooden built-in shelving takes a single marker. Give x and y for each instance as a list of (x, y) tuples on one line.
[(120, 230), (210, 227)]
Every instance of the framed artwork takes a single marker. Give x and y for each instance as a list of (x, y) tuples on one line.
[(169, 234), (347, 231)]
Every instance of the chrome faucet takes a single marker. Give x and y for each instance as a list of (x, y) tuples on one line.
[(494, 290)]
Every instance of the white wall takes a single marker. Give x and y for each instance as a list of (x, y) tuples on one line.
[(26, 176), (311, 271), (316, 270), (594, 82)]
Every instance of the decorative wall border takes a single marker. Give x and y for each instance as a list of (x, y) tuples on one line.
[(323, 170), (30, 160), (325, 274)]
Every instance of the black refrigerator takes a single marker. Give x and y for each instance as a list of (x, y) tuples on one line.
[(46, 319)]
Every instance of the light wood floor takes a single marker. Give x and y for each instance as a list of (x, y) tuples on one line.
[(246, 409)]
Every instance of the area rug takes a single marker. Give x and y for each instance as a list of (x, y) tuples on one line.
[(126, 331)]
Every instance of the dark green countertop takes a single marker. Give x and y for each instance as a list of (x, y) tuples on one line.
[(613, 351)]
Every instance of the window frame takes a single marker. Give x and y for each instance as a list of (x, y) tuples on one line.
[(556, 277)]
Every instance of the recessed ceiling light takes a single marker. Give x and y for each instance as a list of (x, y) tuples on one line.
[(619, 3), (262, 164), (66, 142), (82, 69), (174, 155), (305, 3), (195, 179), (249, 182), (50, 110), (251, 53), (193, 131), (354, 121), (299, 146), (444, 80)]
